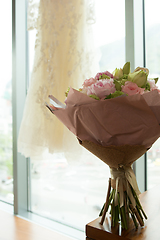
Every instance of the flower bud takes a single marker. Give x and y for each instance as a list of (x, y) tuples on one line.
[(118, 73), (139, 77), (126, 68), (142, 68)]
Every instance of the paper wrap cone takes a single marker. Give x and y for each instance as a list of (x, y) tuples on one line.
[(115, 156)]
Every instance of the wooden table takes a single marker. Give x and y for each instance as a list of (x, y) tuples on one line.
[(16, 228), (150, 201)]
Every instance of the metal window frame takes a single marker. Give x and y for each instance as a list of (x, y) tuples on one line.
[(19, 80), (135, 53)]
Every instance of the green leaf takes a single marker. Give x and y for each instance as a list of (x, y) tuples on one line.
[(147, 87), (156, 80), (115, 94), (117, 85), (66, 93), (94, 96), (109, 96), (104, 76), (125, 76), (123, 81)]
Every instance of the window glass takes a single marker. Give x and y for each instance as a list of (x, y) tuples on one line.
[(6, 173), (109, 34), (152, 23), (72, 189)]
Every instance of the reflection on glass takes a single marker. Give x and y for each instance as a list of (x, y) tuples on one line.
[(71, 188), (6, 175), (152, 23)]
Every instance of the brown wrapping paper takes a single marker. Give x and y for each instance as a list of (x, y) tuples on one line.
[(115, 156), (119, 159)]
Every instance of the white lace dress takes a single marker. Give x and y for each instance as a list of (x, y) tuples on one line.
[(63, 58)]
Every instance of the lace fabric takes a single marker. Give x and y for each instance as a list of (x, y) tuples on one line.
[(63, 57), (33, 10), (32, 16)]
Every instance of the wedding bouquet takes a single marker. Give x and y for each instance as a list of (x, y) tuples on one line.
[(115, 116)]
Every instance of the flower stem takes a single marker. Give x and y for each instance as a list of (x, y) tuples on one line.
[(134, 220), (138, 202)]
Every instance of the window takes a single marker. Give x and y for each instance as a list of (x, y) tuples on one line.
[(75, 185), (152, 62), (109, 34), (6, 163)]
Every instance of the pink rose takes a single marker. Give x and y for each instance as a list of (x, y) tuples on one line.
[(152, 84), (90, 90), (89, 82), (131, 88), (106, 73), (103, 88)]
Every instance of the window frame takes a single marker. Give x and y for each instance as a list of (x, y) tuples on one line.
[(136, 54), (19, 80)]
